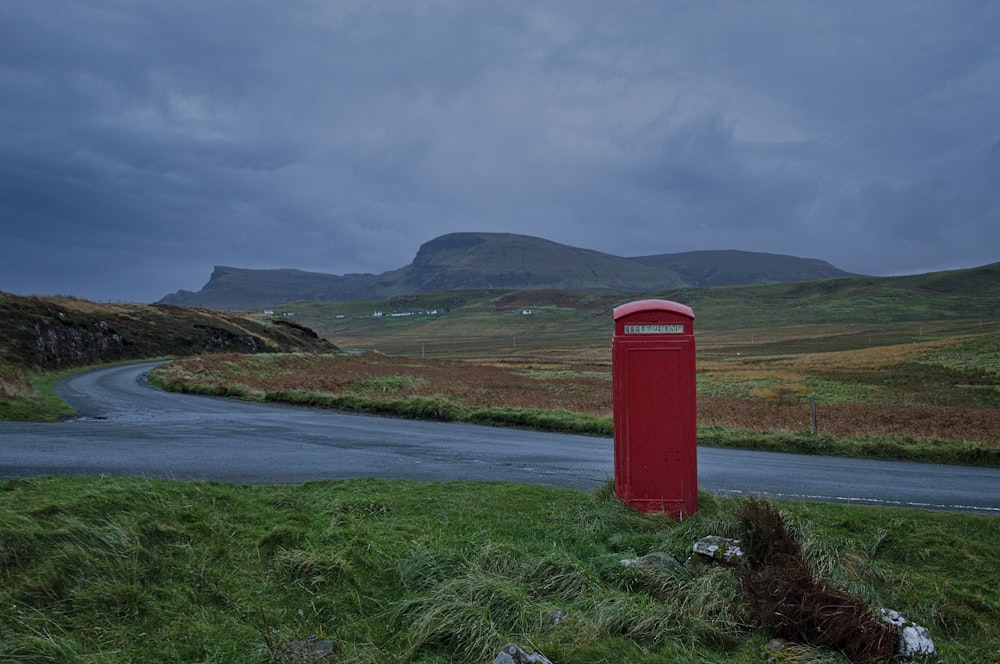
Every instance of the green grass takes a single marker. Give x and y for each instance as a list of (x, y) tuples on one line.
[(540, 374), (446, 409), (980, 353), (129, 570), (896, 448), (27, 395)]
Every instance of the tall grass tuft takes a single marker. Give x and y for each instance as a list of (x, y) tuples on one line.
[(14, 385), (469, 617)]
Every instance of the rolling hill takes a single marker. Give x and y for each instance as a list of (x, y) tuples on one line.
[(823, 314), (735, 268), (462, 261)]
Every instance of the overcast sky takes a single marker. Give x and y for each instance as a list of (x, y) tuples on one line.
[(144, 142)]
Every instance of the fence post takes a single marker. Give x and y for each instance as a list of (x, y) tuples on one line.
[(815, 428)]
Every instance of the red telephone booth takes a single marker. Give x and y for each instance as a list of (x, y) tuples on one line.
[(655, 416)]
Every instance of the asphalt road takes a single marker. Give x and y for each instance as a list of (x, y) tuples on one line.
[(125, 427)]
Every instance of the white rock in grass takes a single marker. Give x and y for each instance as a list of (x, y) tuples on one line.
[(512, 654), (718, 548), (914, 641), (653, 561)]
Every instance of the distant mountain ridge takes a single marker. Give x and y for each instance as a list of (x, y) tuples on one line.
[(502, 261), (733, 268)]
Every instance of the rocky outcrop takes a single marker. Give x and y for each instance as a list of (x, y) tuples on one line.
[(72, 345), (97, 342), (60, 333)]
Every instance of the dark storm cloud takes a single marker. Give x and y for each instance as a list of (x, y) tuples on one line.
[(143, 143)]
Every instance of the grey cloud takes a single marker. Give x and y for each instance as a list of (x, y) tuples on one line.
[(142, 143)]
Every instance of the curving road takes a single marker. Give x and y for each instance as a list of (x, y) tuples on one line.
[(126, 427)]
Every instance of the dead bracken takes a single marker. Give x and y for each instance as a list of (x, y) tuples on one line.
[(786, 599)]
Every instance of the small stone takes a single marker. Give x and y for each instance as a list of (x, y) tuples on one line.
[(307, 650), (914, 640), (503, 657), (722, 549), (554, 617), (654, 561), (513, 654)]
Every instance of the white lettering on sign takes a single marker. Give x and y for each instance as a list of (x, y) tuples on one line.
[(671, 328)]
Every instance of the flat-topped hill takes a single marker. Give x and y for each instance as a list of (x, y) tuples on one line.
[(464, 261)]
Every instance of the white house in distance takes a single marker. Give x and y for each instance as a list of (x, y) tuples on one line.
[(401, 314)]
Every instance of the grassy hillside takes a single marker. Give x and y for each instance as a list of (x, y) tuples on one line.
[(720, 268), (831, 314), (239, 288), (454, 261)]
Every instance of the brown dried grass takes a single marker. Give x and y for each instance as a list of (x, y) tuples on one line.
[(14, 385), (845, 420), (467, 383)]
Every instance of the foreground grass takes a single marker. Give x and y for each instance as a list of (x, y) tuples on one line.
[(127, 570)]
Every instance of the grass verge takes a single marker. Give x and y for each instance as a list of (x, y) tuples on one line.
[(896, 448), (28, 395), (118, 570), (446, 410)]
